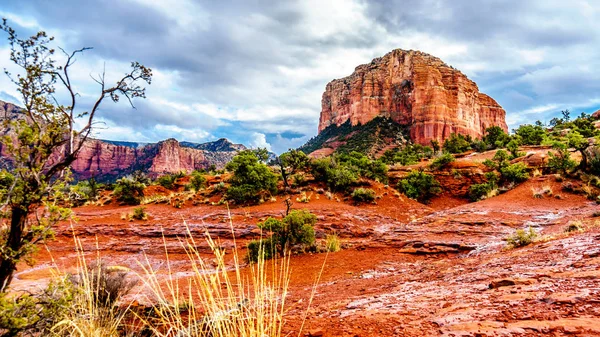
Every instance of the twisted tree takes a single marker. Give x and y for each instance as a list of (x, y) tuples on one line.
[(42, 141)]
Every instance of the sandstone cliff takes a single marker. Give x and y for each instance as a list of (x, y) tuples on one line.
[(413, 89)]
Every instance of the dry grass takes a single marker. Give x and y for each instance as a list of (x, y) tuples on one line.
[(220, 300)]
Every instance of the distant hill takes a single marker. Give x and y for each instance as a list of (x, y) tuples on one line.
[(107, 160)]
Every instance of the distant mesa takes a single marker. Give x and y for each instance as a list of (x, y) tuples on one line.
[(416, 90), (107, 160)]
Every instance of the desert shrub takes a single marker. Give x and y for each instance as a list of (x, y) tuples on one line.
[(35, 315), (479, 191), (304, 198), (295, 229), (480, 146), (167, 181), (496, 137), (363, 195), (129, 191), (250, 179), (574, 226), (513, 148), (106, 284), (499, 161), (457, 143), (372, 169), (515, 173), (197, 180), (521, 238), (407, 155), (298, 180), (419, 185), (442, 161), (332, 243), (531, 134), (262, 249), (560, 160), (341, 178), (139, 213), (594, 160)]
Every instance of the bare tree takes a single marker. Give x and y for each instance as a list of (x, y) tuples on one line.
[(42, 142)]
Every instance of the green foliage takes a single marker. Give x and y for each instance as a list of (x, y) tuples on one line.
[(299, 180), (360, 138), (521, 238), (332, 243), (251, 178), (139, 213), (129, 191), (479, 191), (372, 169), (407, 155), (337, 177), (480, 146), (291, 162), (531, 134), (363, 195), (168, 180), (560, 159), (513, 148), (457, 143), (442, 161), (295, 229), (594, 160), (419, 185), (86, 190), (496, 137), (27, 314), (197, 180), (515, 173)]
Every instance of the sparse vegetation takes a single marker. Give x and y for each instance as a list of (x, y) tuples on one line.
[(574, 226), (457, 143), (129, 191), (360, 195), (197, 180), (442, 161), (294, 231), (419, 185), (139, 213), (252, 180), (521, 238), (332, 243)]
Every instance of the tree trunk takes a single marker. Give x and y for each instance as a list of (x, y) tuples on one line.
[(13, 244), (583, 163)]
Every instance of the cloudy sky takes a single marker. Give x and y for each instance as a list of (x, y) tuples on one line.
[(254, 71)]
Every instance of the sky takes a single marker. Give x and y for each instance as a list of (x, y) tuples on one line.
[(254, 71)]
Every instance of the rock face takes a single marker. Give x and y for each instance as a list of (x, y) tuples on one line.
[(107, 160), (413, 89)]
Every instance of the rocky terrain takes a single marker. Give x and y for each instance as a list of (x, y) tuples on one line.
[(406, 269), (413, 89)]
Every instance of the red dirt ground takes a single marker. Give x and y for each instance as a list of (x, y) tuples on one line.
[(406, 269)]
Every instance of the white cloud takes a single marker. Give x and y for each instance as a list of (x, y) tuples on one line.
[(259, 140)]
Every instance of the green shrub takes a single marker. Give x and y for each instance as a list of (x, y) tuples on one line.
[(129, 191), (521, 238), (197, 181), (457, 143), (251, 178), (262, 249), (407, 155), (298, 180), (341, 178), (139, 213), (531, 134), (295, 229), (372, 169), (515, 173), (442, 161), (479, 191), (496, 137), (363, 195), (560, 160), (574, 226), (513, 148), (167, 181), (332, 243), (85, 190), (419, 185)]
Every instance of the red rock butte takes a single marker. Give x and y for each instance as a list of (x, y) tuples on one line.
[(414, 89)]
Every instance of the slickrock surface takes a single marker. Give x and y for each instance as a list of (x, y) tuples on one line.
[(415, 89)]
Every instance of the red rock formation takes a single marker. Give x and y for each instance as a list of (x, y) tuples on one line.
[(412, 88), (107, 160)]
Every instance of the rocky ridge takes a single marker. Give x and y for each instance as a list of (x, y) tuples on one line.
[(413, 89)]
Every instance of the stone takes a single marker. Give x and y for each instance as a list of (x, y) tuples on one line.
[(315, 333), (414, 89), (510, 282)]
